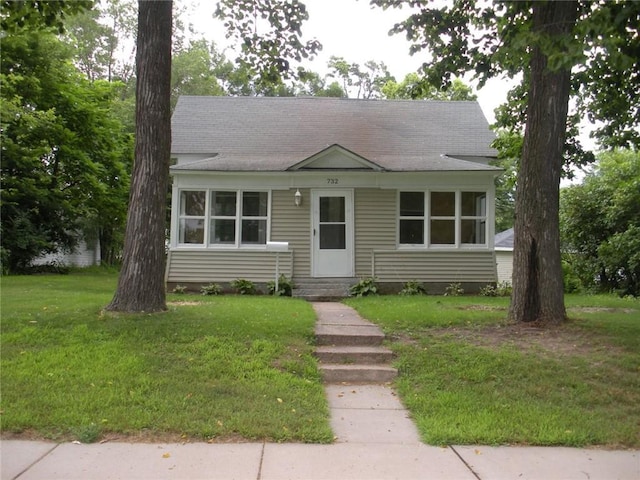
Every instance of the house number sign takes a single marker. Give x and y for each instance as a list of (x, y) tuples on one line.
[(333, 181)]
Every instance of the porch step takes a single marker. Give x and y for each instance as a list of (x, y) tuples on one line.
[(336, 373), (348, 335), (365, 355), (349, 347), (322, 289)]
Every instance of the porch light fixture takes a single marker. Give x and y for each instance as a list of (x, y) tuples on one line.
[(297, 198)]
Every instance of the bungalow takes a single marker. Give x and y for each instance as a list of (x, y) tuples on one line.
[(345, 189)]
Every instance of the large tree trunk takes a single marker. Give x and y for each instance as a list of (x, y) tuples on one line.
[(538, 294), (141, 284)]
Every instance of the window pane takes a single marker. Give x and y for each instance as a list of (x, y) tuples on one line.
[(411, 232), (191, 230), (473, 231), (223, 231), (192, 203), (333, 237), (254, 204), (224, 204), (443, 232), (411, 204), (254, 232), (474, 204), (332, 209), (443, 204)]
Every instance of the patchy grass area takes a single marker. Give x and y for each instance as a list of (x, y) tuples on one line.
[(211, 368), (469, 377)]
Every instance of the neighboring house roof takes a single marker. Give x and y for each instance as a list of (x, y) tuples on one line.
[(286, 133), (504, 240)]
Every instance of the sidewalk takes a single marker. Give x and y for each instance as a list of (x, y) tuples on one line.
[(375, 439)]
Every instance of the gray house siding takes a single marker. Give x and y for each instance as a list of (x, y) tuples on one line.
[(292, 224), (375, 225)]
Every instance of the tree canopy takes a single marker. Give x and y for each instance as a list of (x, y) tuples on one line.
[(64, 156), (585, 49), (600, 221)]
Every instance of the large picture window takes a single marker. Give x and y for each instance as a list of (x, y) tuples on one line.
[(230, 218), (442, 218)]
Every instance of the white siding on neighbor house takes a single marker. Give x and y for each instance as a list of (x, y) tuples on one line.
[(504, 264), (82, 256), (434, 266), (211, 266)]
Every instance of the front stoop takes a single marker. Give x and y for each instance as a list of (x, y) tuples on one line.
[(350, 348)]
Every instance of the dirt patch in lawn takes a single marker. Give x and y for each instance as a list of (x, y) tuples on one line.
[(553, 341), (183, 304)]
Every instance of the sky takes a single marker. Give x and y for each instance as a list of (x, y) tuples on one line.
[(354, 30)]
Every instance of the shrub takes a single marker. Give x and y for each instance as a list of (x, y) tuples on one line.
[(413, 287), (243, 286), (453, 290), (489, 290), (285, 287), (365, 287), (504, 289), (181, 289), (211, 289)]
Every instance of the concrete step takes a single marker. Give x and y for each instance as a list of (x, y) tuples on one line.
[(366, 355), (348, 335), (334, 373)]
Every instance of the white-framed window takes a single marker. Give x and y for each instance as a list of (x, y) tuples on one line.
[(192, 216), (223, 218), (442, 218)]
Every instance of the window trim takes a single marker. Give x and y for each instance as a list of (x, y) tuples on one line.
[(209, 217), (457, 218)]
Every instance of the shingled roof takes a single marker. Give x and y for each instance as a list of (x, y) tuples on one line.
[(278, 133)]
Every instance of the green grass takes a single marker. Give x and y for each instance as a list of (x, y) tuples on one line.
[(211, 368), (468, 377)]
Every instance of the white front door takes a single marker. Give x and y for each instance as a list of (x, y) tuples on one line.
[(332, 233)]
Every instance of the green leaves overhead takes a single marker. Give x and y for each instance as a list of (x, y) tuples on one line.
[(269, 34)]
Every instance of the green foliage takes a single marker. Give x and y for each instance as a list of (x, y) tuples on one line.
[(453, 290), (16, 16), (501, 289), (365, 287), (243, 286), (600, 224), (180, 289), (65, 158), (267, 56), (413, 287), (415, 88), (211, 289), (87, 433), (285, 287)]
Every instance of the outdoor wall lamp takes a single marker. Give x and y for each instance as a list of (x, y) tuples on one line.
[(297, 198)]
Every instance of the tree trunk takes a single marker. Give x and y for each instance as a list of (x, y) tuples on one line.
[(141, 284), (538, 294)]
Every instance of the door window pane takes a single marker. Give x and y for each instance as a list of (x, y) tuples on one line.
[(333, 237), (332, 209), (443, 232), (443, 204)]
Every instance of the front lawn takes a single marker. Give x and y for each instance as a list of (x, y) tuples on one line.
[(211, 368), (469, 377)]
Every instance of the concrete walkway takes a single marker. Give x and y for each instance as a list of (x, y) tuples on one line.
[(375, 439)]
